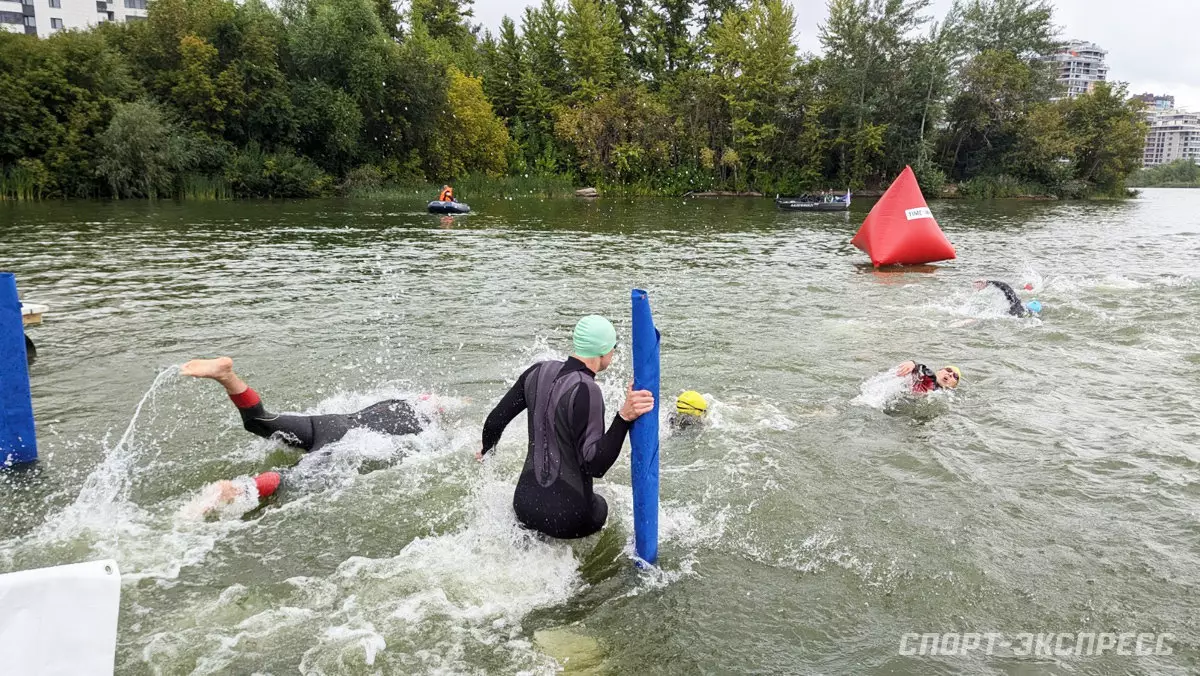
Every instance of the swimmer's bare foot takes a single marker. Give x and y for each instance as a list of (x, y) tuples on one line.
[(219, 369), (208, 368)]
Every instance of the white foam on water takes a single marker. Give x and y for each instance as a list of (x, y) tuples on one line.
[(682, 533), (441, 605), (159, 542), (107, 523), (822, 551), (882, 390), (987, 303), (210, 503), (746, 416)]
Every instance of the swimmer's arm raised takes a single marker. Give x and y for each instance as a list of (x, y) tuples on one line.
[(1015, 306), (911, 367)]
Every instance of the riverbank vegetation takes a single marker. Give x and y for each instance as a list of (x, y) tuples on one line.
[(215, 98), (1183, 173)]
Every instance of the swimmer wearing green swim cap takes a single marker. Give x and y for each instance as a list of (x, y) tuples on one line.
[(568, 444)]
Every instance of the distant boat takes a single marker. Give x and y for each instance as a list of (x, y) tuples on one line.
[(814, 203), (439, 207)]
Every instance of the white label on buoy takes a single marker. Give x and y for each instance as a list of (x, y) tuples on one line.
[(60, 620), (919, 212)]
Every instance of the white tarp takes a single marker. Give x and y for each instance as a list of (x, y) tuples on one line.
[(60, 620)]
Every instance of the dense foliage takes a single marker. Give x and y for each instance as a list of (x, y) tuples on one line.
[(1178, 174), (303, 97)]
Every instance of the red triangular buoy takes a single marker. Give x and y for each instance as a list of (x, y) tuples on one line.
[(900, 230)]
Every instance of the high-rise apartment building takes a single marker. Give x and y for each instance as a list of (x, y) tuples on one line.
[(45, 17), (1079, 65), (1174, 135), (1157, 102)]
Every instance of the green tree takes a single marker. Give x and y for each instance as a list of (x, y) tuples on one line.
[(1023, 27), (870, 51), (1181, 172), (753, 60), (56, 97), (623, 136), (470, 138), (144, 151), (256, 94), (667, 28), (446, 19), (592, 47), (542, 29), (985, 119), (505, 70), (1109, 129)]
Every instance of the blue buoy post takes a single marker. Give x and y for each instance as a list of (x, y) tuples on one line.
[(643, 437), (18, 444)]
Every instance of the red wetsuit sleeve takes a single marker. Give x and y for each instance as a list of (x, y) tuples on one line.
[(267, 483)]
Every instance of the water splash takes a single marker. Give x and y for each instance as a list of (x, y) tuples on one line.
[(212, 503), (882, 390)]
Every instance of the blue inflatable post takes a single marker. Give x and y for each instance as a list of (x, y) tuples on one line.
[(17, 441), (643, 438)]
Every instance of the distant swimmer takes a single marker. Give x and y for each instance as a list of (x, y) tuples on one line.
[(306, 432), (568, 446), (446, 195), (1016, 307), (690, 411), (925, 380)]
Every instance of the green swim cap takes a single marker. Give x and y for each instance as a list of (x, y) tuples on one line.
[(594, 336)]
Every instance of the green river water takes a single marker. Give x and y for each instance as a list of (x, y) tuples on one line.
[(812, 525)]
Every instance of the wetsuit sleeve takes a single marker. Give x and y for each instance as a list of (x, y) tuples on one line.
[(598, 450), (1015, 306), (510, 406), (923, 371)]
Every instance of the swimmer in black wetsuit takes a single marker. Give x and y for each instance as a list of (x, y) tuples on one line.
[(1016, 307), (568, 446), (306, 432)]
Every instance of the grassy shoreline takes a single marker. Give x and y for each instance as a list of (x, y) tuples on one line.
[(556, 187)]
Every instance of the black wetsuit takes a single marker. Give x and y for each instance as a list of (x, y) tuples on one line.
[(311, 432), (924, 379), (682, 421), (568, 447), (1015, 307)]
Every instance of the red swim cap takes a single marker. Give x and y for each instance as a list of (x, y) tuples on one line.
[(267, 483), (1029, 287)]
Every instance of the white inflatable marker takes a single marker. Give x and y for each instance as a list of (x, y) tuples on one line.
[(60, 620)]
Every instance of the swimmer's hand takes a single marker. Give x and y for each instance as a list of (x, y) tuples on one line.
[(479, 455), (211, 500), (636, 403), (906, 368), (979, 284), (226, 492)]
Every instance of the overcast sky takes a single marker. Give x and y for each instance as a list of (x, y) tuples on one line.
[(1154, 45)]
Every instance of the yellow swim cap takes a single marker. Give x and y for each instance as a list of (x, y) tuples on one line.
[(957, 373), (691, 403)]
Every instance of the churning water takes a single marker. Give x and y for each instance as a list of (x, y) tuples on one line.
[(817, 519)]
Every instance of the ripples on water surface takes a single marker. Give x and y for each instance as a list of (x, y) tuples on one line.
[(805, 531)]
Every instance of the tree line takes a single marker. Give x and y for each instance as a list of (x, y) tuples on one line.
[(307, 97), (1182, 173)]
